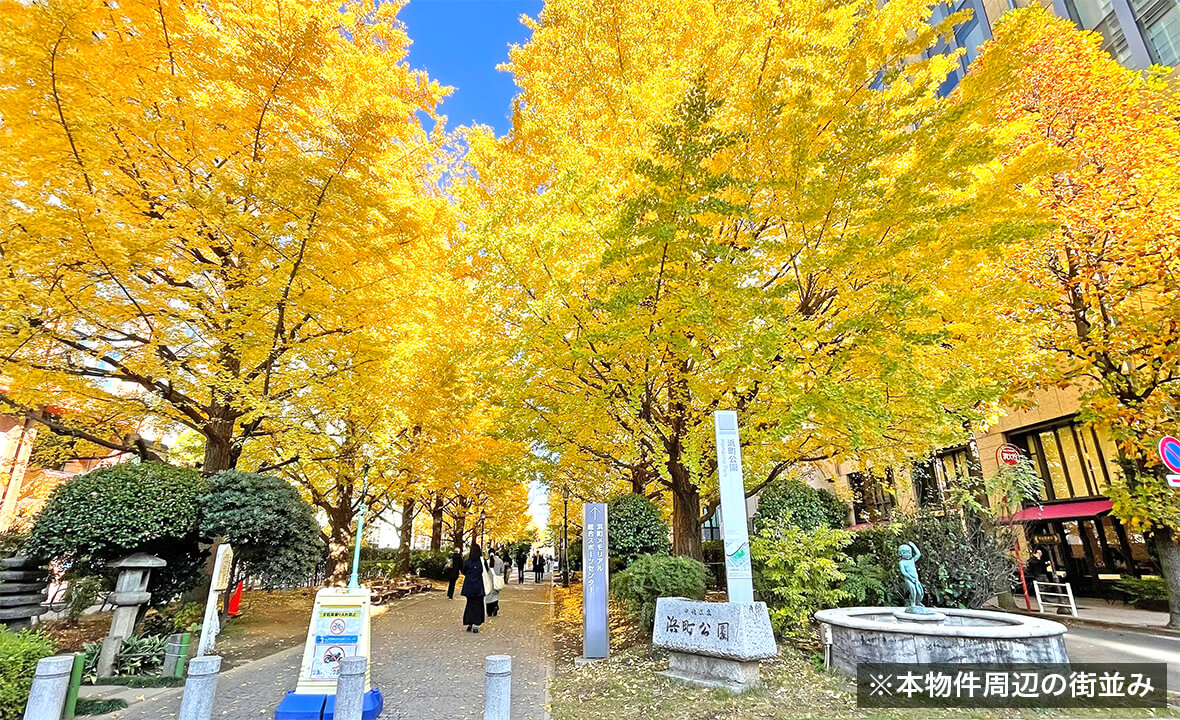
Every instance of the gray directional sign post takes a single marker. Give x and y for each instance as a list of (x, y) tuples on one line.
[(595, 582), (738, 570)]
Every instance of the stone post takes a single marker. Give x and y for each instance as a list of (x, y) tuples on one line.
[(350, 688), (200, 688), (497, 692), (47, 698), (172, 655)]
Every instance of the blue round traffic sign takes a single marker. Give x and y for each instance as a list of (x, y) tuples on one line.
[(1170, 453)]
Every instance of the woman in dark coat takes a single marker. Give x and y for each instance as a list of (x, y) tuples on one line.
[(473, 590)]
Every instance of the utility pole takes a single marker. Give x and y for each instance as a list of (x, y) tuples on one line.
[(565, 536)]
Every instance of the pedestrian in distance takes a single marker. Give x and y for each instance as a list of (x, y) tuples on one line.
[(495, 566), (538, 568), (522, 559), (474, 590), (1039, 568), (452, 571), (507, 562)]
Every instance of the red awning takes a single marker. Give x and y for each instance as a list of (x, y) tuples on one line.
[(1062, 511)]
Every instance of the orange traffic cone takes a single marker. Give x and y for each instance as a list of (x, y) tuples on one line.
[(235, 602)]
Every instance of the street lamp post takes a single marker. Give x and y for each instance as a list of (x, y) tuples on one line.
[(565, 536)]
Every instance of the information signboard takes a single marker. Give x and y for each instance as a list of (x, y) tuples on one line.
[(738, 568), (595, 581)]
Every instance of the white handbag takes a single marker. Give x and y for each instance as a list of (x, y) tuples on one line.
[(498, 582)]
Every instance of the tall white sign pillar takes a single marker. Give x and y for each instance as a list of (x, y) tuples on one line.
[(738, 573)]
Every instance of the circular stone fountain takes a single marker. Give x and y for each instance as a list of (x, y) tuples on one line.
[(883, 635)]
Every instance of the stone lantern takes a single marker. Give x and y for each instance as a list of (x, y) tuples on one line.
[(129, 595)]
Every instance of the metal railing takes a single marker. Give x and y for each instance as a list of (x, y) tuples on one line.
[(1056, 592)]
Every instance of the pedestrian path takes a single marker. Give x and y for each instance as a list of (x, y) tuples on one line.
[(423, 661)]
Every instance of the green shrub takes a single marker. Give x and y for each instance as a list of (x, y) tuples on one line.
[(373, 569), (101, 516), (963, 565), (274, 533), (19, 653), (429, 563), (175, 617), (142, 655), (797, 572), (81, 594), (635, 529), (378, 554), (796, 502), (864, 581), (651, 577), (1146, 593)]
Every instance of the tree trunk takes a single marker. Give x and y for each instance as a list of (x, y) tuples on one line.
[(460, 529), (219, 450), (340, 542), (1169, 553), (686, 513), (436, 524), (405, 535)]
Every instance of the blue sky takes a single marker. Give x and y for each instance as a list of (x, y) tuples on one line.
[(460, 43)]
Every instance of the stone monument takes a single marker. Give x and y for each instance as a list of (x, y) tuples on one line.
[(714, 644), (130, 593), (721, 644)]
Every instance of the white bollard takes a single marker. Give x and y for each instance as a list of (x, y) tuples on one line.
[(47, 698), (497, 689), (350, 688), (200, 687)]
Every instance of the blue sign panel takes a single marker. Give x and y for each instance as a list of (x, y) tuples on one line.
[(595, 581)]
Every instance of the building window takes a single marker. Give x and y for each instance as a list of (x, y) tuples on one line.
[(711, 528), (1073, 459), (969, 35), (953, 466), (872, 501), (1098, 15), (1160, 22)]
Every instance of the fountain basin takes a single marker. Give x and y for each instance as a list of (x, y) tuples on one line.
[(876, 634)]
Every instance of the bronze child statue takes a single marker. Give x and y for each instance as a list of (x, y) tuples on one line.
[(909, 554)]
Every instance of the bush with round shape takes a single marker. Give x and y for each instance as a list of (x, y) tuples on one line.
[(20, 652), (800, 505), (106, 514), (635, 529), (272, 529), (652, 577)]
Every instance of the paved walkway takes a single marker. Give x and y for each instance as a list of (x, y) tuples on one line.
[(424, 662)]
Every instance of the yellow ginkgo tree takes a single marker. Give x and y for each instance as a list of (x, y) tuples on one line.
[(760, 206), (206, 205)]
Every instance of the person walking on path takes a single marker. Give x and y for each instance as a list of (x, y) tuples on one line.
[(473, 590), (507, 562), (538, 567), (495, 566), (451, 572), (522, 559)]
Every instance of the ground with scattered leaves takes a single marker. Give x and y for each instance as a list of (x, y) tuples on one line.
[(628, 684)]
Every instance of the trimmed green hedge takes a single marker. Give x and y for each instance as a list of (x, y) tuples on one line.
[(652, 577), (19, 653), (103, 515), (797, 503)]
